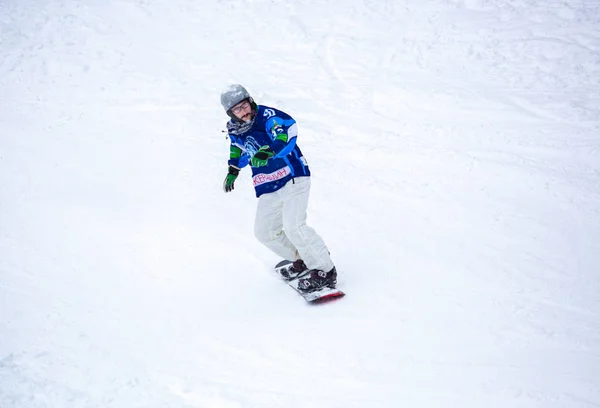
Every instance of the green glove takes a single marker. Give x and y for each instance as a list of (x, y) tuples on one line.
[(231, 176), (261, 157)]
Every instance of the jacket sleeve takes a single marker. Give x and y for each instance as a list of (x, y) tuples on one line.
[(237, 157), (284, 131)]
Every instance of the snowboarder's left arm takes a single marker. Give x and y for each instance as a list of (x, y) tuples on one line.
[(284, 132)]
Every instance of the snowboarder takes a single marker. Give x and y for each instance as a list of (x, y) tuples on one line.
[(265, 138)]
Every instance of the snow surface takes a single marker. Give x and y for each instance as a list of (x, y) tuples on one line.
[(455, 151)]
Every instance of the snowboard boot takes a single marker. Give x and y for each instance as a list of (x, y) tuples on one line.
[(318, 280), (295, 270)]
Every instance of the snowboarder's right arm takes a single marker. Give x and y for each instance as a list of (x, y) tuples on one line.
[(237, 159), (237, 156)]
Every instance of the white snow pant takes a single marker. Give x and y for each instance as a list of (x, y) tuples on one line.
[(281, 225)]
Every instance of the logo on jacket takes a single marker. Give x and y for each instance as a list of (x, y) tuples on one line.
[(269, 113), (251, 146)]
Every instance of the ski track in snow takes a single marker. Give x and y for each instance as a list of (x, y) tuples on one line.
[(454, 146)]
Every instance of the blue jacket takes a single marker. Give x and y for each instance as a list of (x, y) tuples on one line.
[(278, 130)]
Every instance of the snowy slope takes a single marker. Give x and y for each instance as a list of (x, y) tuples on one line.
[(455, 151)]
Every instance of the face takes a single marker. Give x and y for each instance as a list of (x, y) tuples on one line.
[(242, 111)]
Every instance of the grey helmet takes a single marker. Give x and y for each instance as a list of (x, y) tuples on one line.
[(233, 95)]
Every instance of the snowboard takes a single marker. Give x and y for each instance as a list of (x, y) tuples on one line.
[(318, 296)]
